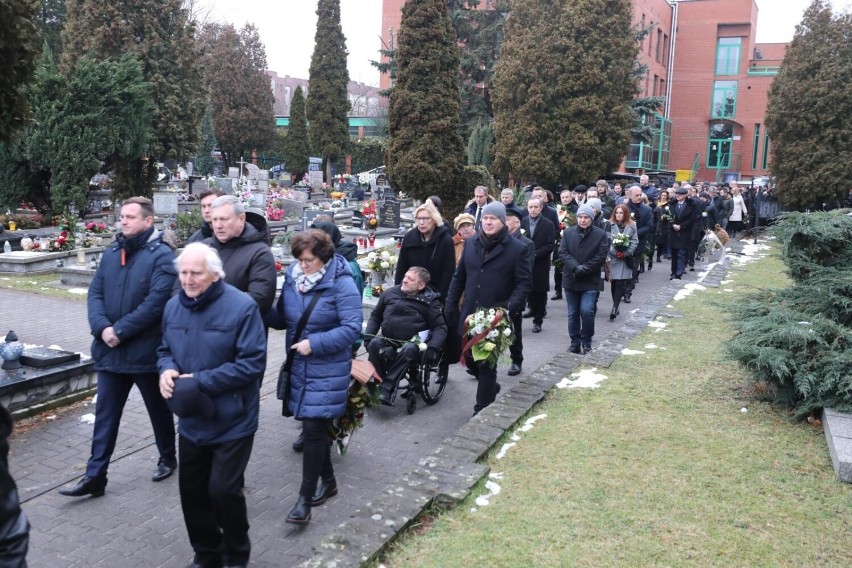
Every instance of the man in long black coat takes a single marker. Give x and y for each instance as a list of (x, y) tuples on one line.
[(684, 215), (543, 235), (643, 216), (493, 272)]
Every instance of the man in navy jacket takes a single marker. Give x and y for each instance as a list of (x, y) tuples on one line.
[(211, 364), (126, 299)]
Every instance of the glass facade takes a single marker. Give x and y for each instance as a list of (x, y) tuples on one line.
[(719, 146), (724, 99), (652, 155)]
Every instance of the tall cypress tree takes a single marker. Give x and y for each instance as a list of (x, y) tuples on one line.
[(425, 154), (563, 89), (328, 99), (809, 112), (19, 51), (161, 34), (296, 147)]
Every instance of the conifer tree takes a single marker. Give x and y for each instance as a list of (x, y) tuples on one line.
[(563, 89), (161, 34), (204, 161), (809, 111), (240, 99), (425, 153), (296, 147), (328, 100), (19, 50)]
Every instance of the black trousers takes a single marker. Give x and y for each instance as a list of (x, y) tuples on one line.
[(557, 281), (618, 288), (211, 480), (516, 350), (679, 261), (316, 461), (390, 361), (538, 305)]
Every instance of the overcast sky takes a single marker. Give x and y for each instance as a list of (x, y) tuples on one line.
[(287, 28)]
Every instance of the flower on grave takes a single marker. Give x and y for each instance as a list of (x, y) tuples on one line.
[(274, 212), (96, 227), (385, 255), (372, 222), (336, 204), (338, 194), (384, 264)]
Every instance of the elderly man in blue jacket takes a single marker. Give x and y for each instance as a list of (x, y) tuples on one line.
[(211, 364)]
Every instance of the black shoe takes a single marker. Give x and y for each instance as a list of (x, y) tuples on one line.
[(671, 276), (536, 328), (527, 314), (692, 269), (574, 349), (300, 514), (299, 444), (165, 469), (385, 398), (556, 296), (87, 486), (613, 313), (325, 489), (587, 349), (514, 370), (641, 268), (677, 277), (658, 259), (626, 298)]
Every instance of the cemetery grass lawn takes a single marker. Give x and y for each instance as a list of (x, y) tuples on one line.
[(46, 284), (658, 466)]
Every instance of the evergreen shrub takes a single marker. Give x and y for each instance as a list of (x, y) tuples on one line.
[(796, 340)]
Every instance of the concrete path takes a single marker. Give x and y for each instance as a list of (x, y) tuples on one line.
[(139, 523)]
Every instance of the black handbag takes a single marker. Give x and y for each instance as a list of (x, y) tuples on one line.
[(283, 388)]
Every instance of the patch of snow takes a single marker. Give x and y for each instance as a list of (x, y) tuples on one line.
[(78, 290), (493, 489), (627, 351), (585, 379), (669, 306), (528, 425), (805, 323), (650, 346), (88, 418), (725, 281), (743, 409), (726, 290), (688, 290), (657, 324), (376, 517), (95, 399), (506, 447)]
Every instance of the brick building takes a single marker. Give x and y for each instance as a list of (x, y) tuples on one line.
[(701, 55)]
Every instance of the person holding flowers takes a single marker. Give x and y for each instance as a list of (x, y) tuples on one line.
[(494, 272), (401, 314), (624, 243)]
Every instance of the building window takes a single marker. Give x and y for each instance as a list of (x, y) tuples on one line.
[(728, 56), (656, 85), (719, 146), (765, 149), (659, 55), (755, 149), (724, 99), (666, 49)]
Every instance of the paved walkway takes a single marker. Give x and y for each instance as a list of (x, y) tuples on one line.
[(139, 523)]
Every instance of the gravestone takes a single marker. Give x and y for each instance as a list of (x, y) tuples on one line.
[(165, 203), (233, 172), (46, 357), (389, 214), (308, 216), (292, 208)]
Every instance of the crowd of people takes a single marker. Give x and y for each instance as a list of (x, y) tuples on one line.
[(190, 330)]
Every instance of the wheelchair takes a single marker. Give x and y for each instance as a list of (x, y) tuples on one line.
[(421, 379)]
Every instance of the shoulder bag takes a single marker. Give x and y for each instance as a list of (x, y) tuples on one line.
[(284, 373)]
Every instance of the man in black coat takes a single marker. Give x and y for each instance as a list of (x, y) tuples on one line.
[(583, 251), (684, 215), (542, 232), (480, 200), (401, 314), (241, 239), (516, 350), (643, 216), (548, 213), (206, 198), (493, 272)]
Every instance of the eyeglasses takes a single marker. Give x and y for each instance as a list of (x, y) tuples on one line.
[(422, 219)]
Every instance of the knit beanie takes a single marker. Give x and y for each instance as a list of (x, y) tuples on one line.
[(586, 210), (497, 209)]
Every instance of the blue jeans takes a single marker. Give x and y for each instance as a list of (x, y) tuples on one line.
[(582, 307)]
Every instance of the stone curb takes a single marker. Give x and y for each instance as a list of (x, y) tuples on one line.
[(447, 476), (837, 428)]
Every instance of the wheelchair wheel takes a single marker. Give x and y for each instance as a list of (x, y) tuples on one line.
[(411, 405), (432, 388)]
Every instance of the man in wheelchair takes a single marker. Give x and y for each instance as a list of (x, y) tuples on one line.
[(402, 313)]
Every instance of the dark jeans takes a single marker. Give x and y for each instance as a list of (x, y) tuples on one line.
[(211, 480), (113, 390), (516, 350), (538, 305), (582, 307), (678, 261), (317, 459), (391, 362)]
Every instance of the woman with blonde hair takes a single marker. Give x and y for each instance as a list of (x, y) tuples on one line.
[(739, 213), (428, 245)]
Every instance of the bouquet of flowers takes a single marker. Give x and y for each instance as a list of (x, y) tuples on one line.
[(381, 262), (274, 211), (361, 396), (60, 243), (338, 194), (96, 227), (566, 218), (369, 210), (336, 204), (489, 334), (621, 242), (666, 214)]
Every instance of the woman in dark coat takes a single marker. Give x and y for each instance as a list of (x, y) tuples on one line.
[(319, 378), (429, 245)]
